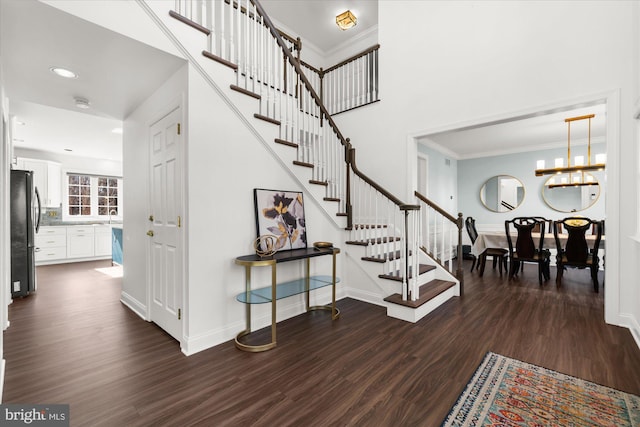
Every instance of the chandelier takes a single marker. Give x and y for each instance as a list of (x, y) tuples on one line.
[(578, 166)]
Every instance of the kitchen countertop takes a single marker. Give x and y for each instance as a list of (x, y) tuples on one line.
[(71, 223)]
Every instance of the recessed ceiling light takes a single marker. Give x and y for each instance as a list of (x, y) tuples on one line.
[(82, 103), (117, 130), (63, 72)]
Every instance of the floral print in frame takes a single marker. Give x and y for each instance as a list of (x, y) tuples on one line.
[(281, 213)]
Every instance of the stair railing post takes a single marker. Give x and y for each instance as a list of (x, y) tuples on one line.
[(460, 270), (348, 155), (406, 255)]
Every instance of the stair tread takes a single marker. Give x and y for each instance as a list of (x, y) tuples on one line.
[(428, 291), (189, 22), (331, 199), (266, 119), (313, 181), (305, 164), (375, 240), (245, 91), (390, 256), (285, 142), (422, 268), (220, 60)]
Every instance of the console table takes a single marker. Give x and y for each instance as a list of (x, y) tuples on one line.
[(278, 291)]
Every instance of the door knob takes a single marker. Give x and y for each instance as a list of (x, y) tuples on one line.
[(150, 233)]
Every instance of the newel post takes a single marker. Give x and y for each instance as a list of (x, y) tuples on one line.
[(349, 154), (460, 270)]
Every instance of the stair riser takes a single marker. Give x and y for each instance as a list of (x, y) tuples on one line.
[(413, 315), (373, 269)]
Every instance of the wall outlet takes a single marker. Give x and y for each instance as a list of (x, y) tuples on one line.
[(52, 213), (16, 286)]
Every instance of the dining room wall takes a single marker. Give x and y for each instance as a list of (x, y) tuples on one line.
[(473, 173), (442, 179)]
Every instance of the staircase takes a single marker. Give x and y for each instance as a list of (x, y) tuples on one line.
[(405, 250)]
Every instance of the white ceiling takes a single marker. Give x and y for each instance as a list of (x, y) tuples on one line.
[(314, 21), (116, 74), (543, 130)]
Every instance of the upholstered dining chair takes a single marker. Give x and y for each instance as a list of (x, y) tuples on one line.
[(525, 248), (578, 251), (498, 255)]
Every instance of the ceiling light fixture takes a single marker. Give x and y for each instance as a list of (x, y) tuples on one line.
[(579, 164), (346, 20), (82, 103), (63, 72)]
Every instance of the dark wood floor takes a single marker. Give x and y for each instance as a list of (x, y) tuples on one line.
[(74, 342)]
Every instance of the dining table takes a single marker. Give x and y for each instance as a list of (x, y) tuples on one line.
[(498, 239)]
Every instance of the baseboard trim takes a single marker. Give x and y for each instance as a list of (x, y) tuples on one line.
[(214, 337), (134, 305), (634, 327), (368, 297)]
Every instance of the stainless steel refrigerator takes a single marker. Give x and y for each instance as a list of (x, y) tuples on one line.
[(25, 222)]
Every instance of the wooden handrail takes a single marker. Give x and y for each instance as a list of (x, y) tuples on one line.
[(312, 68), (376, 186), (353, 58), (436, 207), (297, 43), (294, 62)]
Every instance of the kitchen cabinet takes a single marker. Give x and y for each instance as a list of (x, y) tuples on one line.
[(80, 241), (51, 244), (102, 241), (72, 243), (47, 177)]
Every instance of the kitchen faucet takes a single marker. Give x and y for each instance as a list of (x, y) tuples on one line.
[(112, 212)]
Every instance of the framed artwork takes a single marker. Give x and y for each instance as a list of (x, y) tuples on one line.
[(281, 213)]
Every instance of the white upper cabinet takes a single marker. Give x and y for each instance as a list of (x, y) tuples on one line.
[(47, 177)]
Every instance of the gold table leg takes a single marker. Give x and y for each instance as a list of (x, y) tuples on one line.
[(247, 331)]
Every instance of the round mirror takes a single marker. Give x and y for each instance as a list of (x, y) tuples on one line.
[(502, 193), (562, 196)]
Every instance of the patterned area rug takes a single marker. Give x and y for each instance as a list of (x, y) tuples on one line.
[(507, 392)]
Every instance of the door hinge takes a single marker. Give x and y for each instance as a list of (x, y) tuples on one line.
[(179, 221), (179, 314), (178, 128)]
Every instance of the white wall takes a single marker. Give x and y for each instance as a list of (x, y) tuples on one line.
[(442, 180), (467, 61), (473, 173), (226, 161)]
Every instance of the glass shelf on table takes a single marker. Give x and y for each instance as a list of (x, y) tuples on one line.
[(286, 289)]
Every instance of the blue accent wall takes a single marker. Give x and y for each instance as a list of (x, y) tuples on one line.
[(473, 173)]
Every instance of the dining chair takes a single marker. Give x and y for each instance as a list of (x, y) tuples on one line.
[(578, 251), (525, 248), (498, 255)]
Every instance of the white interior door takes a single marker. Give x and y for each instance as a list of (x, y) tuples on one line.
[(165, 232)]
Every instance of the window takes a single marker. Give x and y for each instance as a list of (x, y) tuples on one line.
[(107, 196), (90, 196)]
